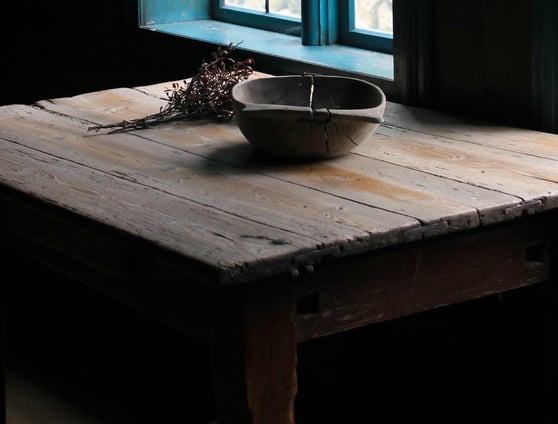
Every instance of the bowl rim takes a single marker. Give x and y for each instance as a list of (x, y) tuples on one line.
[(373, 114)]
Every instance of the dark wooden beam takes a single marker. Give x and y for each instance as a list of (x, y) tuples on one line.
[(254, 355), (4, 255), (545, 65), (412, 49)]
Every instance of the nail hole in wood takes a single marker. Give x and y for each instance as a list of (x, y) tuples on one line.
[(309, 304), (534, 253)]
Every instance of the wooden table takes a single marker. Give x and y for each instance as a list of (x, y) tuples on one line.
[(191, 226)]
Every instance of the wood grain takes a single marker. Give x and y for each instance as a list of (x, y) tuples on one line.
[(210, 196)]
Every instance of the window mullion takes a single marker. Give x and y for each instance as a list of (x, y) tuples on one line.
[(319, 19)]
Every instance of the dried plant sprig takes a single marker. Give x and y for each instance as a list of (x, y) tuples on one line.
[(207, 95)]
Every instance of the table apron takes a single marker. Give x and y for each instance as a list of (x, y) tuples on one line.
[(380, 287)]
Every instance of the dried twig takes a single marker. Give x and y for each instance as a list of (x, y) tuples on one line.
[(207, 95)]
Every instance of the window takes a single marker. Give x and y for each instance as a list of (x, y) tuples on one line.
[(362, 23), (368, 24), (352, 36), (427, 40)]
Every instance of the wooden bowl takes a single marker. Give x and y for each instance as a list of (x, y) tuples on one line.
[(307, 116)]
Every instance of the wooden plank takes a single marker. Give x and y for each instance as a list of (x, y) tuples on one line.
[(376, 183), (472, 146), (520, 140), (378, 196), (524, 176), (120, 104), (459, 200), (5, 274), (400, 189), (234, 246), (328, 219), (479, 152), (393, 284), (254, 356)]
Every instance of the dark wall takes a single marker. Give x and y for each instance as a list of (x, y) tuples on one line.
[(482, 58), (62, 48)]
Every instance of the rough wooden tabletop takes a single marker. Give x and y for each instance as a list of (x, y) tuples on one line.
[(200, 189)]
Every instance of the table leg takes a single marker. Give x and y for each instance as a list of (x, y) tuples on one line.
[(254, 355), (550, 324), (3, 278)]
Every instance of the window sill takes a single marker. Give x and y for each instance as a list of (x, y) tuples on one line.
[(342, 59)]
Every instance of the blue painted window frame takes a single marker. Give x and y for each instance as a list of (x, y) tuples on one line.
[(351, 36), (283, 52), (254, 19), (324, 22)]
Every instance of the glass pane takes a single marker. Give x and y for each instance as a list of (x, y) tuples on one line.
[(289, 8), (374, 15), (285, 7), (258, 5)]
